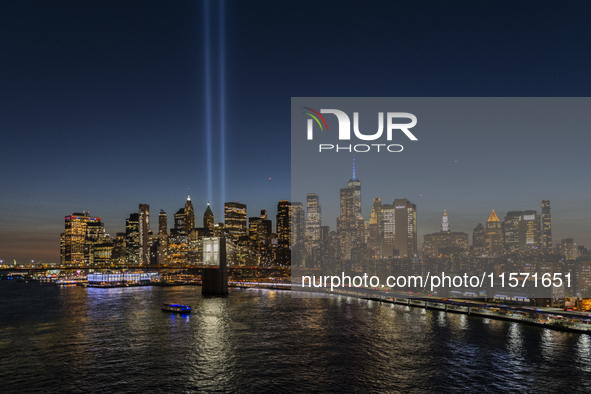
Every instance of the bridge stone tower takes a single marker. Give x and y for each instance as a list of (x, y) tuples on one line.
[(214, 280)]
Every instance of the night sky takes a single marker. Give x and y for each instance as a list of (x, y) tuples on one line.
[(102, 104)]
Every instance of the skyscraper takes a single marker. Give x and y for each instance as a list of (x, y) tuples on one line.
[(80, 229), (479, 238), (387, 230), (95, 229), (264, 231), (162, 223), (259, 230), (405, 227), (144, 235), (346, 223), (162, 250), (189, 216), (283, 222), (313, 217), (235, 220), (179, 221), (297, 223), (521, 230), (546, 226), (568, 249), (253, 230), (511, 230), (208, 219), (375, 221), (355, 184), (350, 224), (445, 222), (529, 230), (494, 234), (132, 239), (118, 253)]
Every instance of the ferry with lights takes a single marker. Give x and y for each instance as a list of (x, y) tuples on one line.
[(176, 308)]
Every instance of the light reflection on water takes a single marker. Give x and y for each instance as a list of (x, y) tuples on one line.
[(56, 339)]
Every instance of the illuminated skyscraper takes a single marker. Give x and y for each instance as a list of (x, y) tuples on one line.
[(264, 231), (313, 217), (529, 230), (132, 239), (162, 223), (445, 222), (259, 230), (118, 253), (95, 229), (398, 228), (283, 222), (297, 223), (405, 227), (511, 230), (546, 226), (494, 234), (346, 223), (189, 216), (569, 249), (179, 221), (102, 252), (375, 221), (253, 230), (355, 184), (208, 219), (178, 247), (80, 229), (144, 236), (178, 241), (521, 230), (235, 220), (162, 249), (387, 230)]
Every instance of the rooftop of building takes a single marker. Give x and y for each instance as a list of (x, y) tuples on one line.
[(493, 217)]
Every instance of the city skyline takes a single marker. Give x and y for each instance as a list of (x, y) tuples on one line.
[(161, 224), (463, 225)]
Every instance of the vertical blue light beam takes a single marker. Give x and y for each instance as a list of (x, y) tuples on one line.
[(208, 103), (222, 107)]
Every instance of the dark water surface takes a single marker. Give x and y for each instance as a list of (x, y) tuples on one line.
[(72, 339)]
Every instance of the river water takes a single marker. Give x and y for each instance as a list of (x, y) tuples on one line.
[(73, 339)]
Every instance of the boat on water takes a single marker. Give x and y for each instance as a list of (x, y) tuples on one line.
[(176, 308)]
